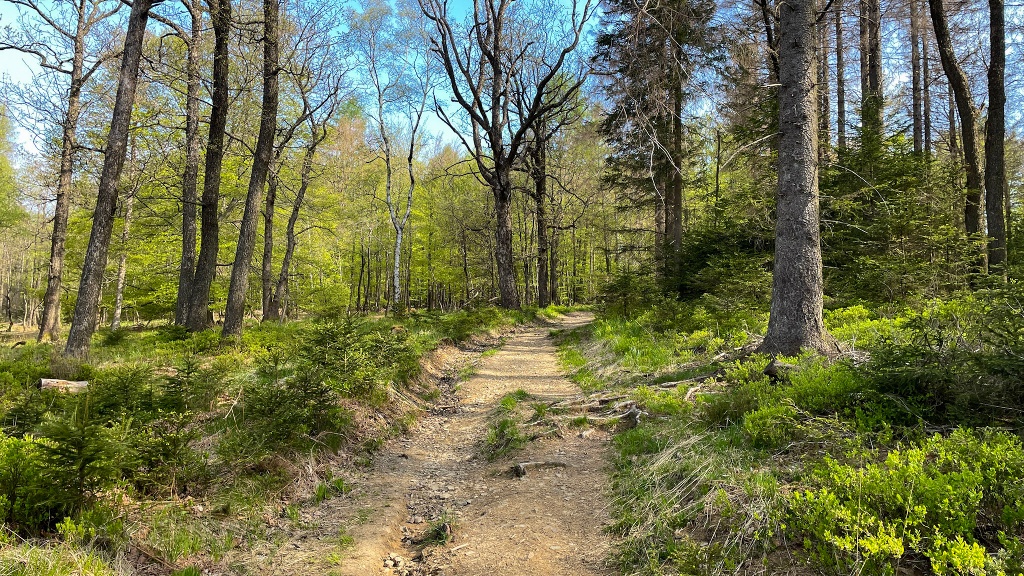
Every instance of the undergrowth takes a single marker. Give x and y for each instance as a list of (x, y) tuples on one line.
[(901, 456)]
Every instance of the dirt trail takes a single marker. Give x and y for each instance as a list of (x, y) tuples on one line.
[(550, 522)]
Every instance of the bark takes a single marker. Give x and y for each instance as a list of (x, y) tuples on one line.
[(190, 174), (540, 199), (840, 79), (83, 323), (555, 293), (824, 95), (206, 264), (267, 262), (508, 292), (916, 73), (961, 89), (926, 96), (122, 263), (795, 321), (49, 327), (234, 313), (872, 104), (995, 134)]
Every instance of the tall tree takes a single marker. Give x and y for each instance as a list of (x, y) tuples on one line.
[(917, 76), (63, 36), (484, 64), (83, 324), (871, 98), (995, 138), (234, 313), (961, 91), (206, 263), (795, 321), (840, 79)]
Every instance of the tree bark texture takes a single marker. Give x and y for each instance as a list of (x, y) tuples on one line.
[(795, 321), (83, 323), (840, 79), (540, 199), (267, 262), (995, 135), (234, 313), (916, 73), (206, 264)]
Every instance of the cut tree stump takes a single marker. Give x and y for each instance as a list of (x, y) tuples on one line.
[(69, 386)]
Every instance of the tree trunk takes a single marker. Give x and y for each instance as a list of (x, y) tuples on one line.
[(995, 134), (83, 323), (281, 291), (122, 263), (267, 262), (234, 313), (796, 321), (916, 74), (555, 295), (540, 199), (190, 175), (508, 292), (824, 95), (968, 117), (926, 81), (49, 327), (206, 265), (871, 75), (840, 79)]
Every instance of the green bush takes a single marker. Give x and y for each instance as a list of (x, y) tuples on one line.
[(503, 437), (24, 490), (956, 501), (771, 426)]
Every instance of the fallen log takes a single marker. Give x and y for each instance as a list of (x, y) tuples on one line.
[(69, 386), (519, 470)]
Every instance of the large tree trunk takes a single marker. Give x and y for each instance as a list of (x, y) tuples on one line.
[(961, 89), (49, 327), (267, 262), (235, 310), (190, 174), (508, 291), (824, 94), (122, 263), (840, 79), (83, 323), (796, 321), (206, 265), (916, 73), (995, 134)]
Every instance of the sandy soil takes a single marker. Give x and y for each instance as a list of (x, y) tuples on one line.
[(550, 522)]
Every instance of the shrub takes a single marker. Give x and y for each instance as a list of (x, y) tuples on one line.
[(771, 426), (503, 437), (24, 491), (951, 500)]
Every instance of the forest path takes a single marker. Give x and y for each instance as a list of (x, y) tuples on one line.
[(549, 522)]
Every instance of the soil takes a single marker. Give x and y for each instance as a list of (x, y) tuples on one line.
[(550, 521)]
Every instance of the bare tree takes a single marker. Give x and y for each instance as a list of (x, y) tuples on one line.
[(795, 321), (484, 61), (67, 38), (235, 310), (83, 324)]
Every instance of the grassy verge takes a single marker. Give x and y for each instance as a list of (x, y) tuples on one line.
[(900, 457), (186, 448)]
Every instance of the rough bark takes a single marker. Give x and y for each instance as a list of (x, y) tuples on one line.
[(234, 313), (840, 79), (538, 173), (795, 321), (508, 292), (961, 89), (995, 134), (122, 263), (824, 94), (83, 323), (190, 173), (206, 264)]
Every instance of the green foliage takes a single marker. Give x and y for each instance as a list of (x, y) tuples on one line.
[(503, 437), (771, 426), (952, 500), (24, 489)]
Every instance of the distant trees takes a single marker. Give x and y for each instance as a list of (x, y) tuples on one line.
[(499, 70)]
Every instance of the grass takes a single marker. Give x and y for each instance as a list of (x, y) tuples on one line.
[(828, 464)]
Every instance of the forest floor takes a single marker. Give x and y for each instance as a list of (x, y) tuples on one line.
[(437, 481)]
